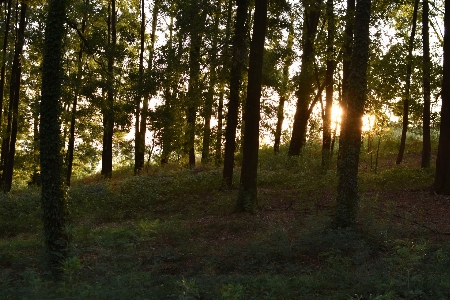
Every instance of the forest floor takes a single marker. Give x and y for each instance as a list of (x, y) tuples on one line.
[(171, 234)]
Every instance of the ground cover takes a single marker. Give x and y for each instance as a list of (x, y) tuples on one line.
[(171, 234)]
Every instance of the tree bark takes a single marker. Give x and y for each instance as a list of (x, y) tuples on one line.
[(305, 81), (236, 71), (329, 82), (108, 109), (442, 176), (426, 145), (247, 198), (4, 50), (284, 90), (207, 111), (54, 194), (401, 150), (71, 145), (14, 98), (347, 198)]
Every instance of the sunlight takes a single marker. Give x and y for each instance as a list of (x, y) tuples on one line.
[(368, 123)]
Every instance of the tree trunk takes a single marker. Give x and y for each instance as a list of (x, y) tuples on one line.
[(71, 145), (401, 150), (347, 198), (207, 111), (442, 177), (247, 198), (194, 90), (14, 97), (284, 90), (426, 145), (329, 82), (305, 82), (54, 201), (108, 110), (4, 51), (139, 144), (236, 71), (348, 50)]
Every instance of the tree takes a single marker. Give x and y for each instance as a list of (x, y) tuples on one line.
[(9, 143), (305, 79), (426, 145), (408, 85), (442, 176), (237, 68), (247, 198), (54, 200), (326, 144), (108, 108), (347, 198)]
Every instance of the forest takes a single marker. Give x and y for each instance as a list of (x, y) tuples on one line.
[(248, 149)]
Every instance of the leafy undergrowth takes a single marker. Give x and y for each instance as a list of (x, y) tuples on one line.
[(172, 234)]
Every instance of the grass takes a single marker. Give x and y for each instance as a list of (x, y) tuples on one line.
[(172, 234)]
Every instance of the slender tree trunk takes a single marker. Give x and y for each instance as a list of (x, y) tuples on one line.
[(247, 198), (14, 99), (108, 113), (139, 147), (347, 198), (4, 51), (71, 145), (306, 78), (401, 150), (168, 120), (329, 82), (54, 201), (236, 71), (285, 87), (426, 146), (442, 177), (207, 111)]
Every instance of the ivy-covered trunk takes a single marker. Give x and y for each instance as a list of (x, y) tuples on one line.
[(4, 52), (247, 198), (347, 198), (442, 177), (401, 150), (239, 54), (54, 196)]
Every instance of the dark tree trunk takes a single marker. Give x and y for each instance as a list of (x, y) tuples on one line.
[(347, 198), (284, 90), (247, 198), (194, 90), (14, 97), (236, 71), (167, 127), (108, 109), (207, 111), (54, 201), (4, 50), (442, 177), (305, 85), (347, 54), (218, 150), (71, 145), (326, 144), (401, 150), (139, 143), (426, 146)]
